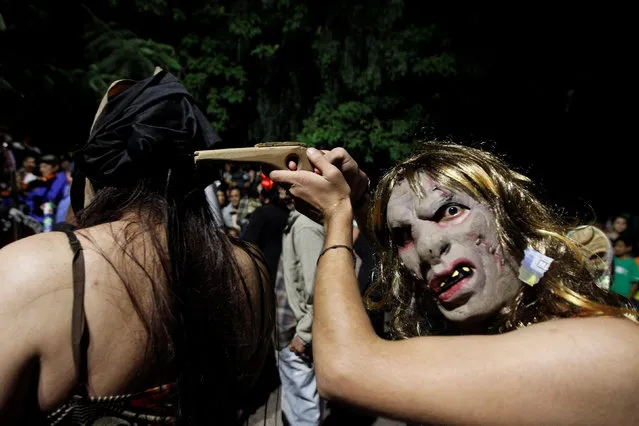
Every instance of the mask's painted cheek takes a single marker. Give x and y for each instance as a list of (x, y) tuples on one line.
[(410, 260), (481, 231), (406, 248)]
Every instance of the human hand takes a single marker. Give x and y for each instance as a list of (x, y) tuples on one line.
[(325, 189), (297, 346), (355, 177), (357, 180)]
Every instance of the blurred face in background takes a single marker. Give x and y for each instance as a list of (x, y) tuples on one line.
[(621, 249), (46, 169), (234, 198), (29, 164), (221, 197), (620, 224)]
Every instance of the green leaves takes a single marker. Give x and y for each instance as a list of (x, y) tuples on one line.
[(366, 78), (265, 50), (157, 7), (117, 54), (373, 65), (296, 20), (356, 127), (442, 64), (246, 27)]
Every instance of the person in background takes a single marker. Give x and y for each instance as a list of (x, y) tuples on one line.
[(50, 187), (266, 225), (230, 213), (65, 203), (220, 193), (302, 242), (253, 181), (26, 173), (618, 227), (626, 271)]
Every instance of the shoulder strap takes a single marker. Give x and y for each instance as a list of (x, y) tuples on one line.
[(79, 334)]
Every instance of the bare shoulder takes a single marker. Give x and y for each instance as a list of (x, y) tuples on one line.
[(36, 287), (33, 268), (35, 306)]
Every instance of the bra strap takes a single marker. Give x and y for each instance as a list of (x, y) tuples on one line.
[(79, 330)]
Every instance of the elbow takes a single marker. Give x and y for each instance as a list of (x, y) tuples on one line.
[(329, 376), (342, 360), (342, 367), (335, 375)]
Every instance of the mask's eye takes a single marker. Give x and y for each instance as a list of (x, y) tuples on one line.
[(450, 211), (401, 235)]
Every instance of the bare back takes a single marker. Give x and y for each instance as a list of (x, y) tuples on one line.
[(36, 303)]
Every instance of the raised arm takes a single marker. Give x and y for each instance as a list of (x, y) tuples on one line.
[(577, 371)]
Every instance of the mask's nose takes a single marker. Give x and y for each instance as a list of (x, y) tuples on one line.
[(431, 245)]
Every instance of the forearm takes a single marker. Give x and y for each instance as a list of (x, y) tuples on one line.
[(341, 326)]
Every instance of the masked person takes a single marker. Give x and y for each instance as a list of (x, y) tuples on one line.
[(497, 315)]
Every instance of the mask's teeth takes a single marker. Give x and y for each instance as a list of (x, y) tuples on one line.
[(452, 277), (457, 275)]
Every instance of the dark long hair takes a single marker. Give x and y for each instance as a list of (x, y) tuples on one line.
[(206, 321), (208, 326)]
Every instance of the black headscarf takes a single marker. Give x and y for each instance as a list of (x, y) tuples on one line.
[(141, 133)]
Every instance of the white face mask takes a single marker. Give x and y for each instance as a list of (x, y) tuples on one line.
[(449, 242)]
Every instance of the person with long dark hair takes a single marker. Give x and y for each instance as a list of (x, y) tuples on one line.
[(148, 313)]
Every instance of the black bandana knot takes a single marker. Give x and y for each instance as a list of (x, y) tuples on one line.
[(143, 131)]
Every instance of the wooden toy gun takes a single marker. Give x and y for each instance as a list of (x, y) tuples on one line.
[(273, 155)]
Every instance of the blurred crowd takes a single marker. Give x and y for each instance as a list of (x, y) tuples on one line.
[(34, 188)]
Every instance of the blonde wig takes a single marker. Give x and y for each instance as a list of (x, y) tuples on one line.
[(568, 288)]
